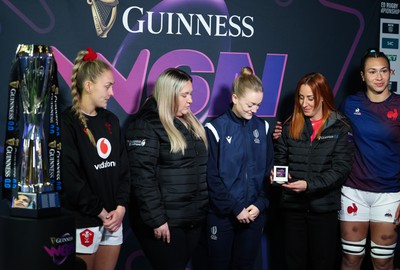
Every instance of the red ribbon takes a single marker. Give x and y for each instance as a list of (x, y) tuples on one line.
[(90, 56)]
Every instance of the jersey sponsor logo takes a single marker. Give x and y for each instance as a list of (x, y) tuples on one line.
[(103, 148), (105, 164), (86, 238), (229, 139), (357, 111), (392, 114)]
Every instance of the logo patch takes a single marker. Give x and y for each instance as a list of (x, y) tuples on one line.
[(392, 114), (256, 135), (388, 214), (86, 238), (357, 111), (137, 142), (352, 209), (103, 148), (229, 139), (214, 231)]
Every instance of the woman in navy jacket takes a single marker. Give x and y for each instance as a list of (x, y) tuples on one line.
[(240, 156)]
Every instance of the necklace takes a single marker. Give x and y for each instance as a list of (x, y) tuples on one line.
[(89, 114)]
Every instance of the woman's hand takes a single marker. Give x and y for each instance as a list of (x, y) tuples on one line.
[(298, 186), (162, 233), (277, 131), (114, 219), (244, 216), (253, 211)]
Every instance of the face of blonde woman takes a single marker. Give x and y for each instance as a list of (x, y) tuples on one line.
[(101, 90), (247, 105), (307, 103), (184, 99), (376, 75)]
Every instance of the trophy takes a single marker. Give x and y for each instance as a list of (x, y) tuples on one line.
[(37, 196)]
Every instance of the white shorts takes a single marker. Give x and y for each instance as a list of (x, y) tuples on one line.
[(88, 240), (359, 205)]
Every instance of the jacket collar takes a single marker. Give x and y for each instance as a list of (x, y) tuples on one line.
[(234, 118)]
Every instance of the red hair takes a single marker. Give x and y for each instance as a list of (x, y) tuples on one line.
[(321, 91)]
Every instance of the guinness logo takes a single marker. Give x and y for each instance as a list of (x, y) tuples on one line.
[(53, 144), (104, 14), (14, 84), (12, 142)]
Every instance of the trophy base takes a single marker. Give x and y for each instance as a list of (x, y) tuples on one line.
[(35, 205), (35, 213)]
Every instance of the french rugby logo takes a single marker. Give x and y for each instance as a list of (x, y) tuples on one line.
[(103, 148)]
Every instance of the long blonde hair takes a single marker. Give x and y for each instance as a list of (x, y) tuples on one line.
[(166, 94), (84, 70)]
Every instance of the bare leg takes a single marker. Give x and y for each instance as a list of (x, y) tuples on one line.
[(88, 259), (107, 257), (354, 232), (384, 234)]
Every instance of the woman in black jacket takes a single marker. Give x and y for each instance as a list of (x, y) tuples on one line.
[(317, 145), (167, 150)]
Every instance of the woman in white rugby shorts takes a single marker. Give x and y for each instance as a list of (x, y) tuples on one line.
[(370, 196), (94, 165)]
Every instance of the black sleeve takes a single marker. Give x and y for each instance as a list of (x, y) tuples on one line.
[(143, 152)]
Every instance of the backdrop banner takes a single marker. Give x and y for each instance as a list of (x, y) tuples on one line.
[(210, 39)]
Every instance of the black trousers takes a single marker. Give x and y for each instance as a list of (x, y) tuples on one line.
[(172, 256), (310, 240)]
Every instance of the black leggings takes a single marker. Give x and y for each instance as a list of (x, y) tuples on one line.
[(310, 240), (172, 256)]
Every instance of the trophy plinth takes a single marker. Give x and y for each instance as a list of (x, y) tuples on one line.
[(36, 195)]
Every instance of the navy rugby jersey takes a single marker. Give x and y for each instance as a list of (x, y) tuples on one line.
[(376, 130)]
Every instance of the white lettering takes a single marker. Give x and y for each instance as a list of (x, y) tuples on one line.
[(8, 160), (157, 23), (105, 164), (125, 22)]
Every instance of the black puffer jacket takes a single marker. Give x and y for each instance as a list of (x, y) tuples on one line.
[(166, 187), (323, 163)]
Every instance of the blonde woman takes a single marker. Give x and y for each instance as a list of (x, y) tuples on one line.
[(94, 165), (240, 157), (167, 149)]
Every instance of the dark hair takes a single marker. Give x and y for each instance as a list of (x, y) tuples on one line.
[(373, 53)]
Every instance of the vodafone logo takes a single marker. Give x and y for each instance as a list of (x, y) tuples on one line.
[(103, 148)]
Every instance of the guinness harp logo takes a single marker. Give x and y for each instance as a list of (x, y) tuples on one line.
[(104, 14)]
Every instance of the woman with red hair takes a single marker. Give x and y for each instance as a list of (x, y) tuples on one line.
[(317, 146)]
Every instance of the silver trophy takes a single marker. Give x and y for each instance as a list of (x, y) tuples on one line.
[(36, 193)]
